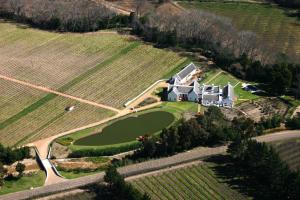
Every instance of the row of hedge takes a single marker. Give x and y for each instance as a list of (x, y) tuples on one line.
[(109, 151)]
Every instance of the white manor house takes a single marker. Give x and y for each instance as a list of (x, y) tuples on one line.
[(184, 86)]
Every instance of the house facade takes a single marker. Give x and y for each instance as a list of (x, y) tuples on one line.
[(184, 86)]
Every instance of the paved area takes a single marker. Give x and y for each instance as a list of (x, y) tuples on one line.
[(51, 175), (142, 168)]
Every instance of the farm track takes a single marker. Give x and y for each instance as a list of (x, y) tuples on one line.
[(144, 167), (44, 89)]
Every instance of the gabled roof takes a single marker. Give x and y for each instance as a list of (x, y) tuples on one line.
[(196, 88), (228, 91), (184, 89), (186, 71), (210, 97)]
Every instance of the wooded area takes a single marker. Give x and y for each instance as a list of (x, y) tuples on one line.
[(73, 15)]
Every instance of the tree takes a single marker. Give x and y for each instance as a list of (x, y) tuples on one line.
[(20, 168), (112, 176), (281, 79), (148, 147)]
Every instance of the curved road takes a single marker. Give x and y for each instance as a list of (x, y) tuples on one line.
[(141, 168)]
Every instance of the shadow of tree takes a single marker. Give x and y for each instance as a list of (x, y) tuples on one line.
[(234, 176)]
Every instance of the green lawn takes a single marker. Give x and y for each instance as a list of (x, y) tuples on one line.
[(219, 77), (210, 74), (243, 95), (223, 79), (77, 174), (271, 23), (24, 183)]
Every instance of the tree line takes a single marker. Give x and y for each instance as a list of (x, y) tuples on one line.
[(255, 163), (239, 52), (287, 3), (277, 79), (258, 165), (210, 129), (72, 15), (8, 156), (115, 188)]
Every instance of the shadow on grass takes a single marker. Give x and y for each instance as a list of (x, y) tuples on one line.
[(231, 174), (12, 178)]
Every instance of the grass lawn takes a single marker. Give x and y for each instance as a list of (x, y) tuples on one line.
[(223, 79), (243, 95), (75, 174), (24, 183), (219, 77), (271, 23), (210, 74)]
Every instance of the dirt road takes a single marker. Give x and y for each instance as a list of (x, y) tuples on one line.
[(144, 167), (44, 89)]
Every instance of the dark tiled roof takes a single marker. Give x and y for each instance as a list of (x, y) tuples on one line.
[(186, 71)]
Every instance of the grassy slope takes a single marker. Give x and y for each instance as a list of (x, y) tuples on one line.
[(270, 22), (24, 183), (195, 182)]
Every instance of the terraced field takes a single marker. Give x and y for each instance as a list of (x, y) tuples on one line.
[(194, 182), (289, 151), (28, 114), (271, 23)]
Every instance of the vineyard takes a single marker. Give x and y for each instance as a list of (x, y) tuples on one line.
[(27, 114), (105, 68), (102, 67), (194, 182), (125, 78), (289, 151), (271, 23)]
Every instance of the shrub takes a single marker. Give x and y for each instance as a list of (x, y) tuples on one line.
[(65, 141), (293, 123)]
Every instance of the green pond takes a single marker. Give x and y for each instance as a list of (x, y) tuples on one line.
[(129, 129)]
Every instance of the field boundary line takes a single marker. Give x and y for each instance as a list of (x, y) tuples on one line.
[(48, 90), (144, 92), (237, 84), (161, 171), (214, 77)]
